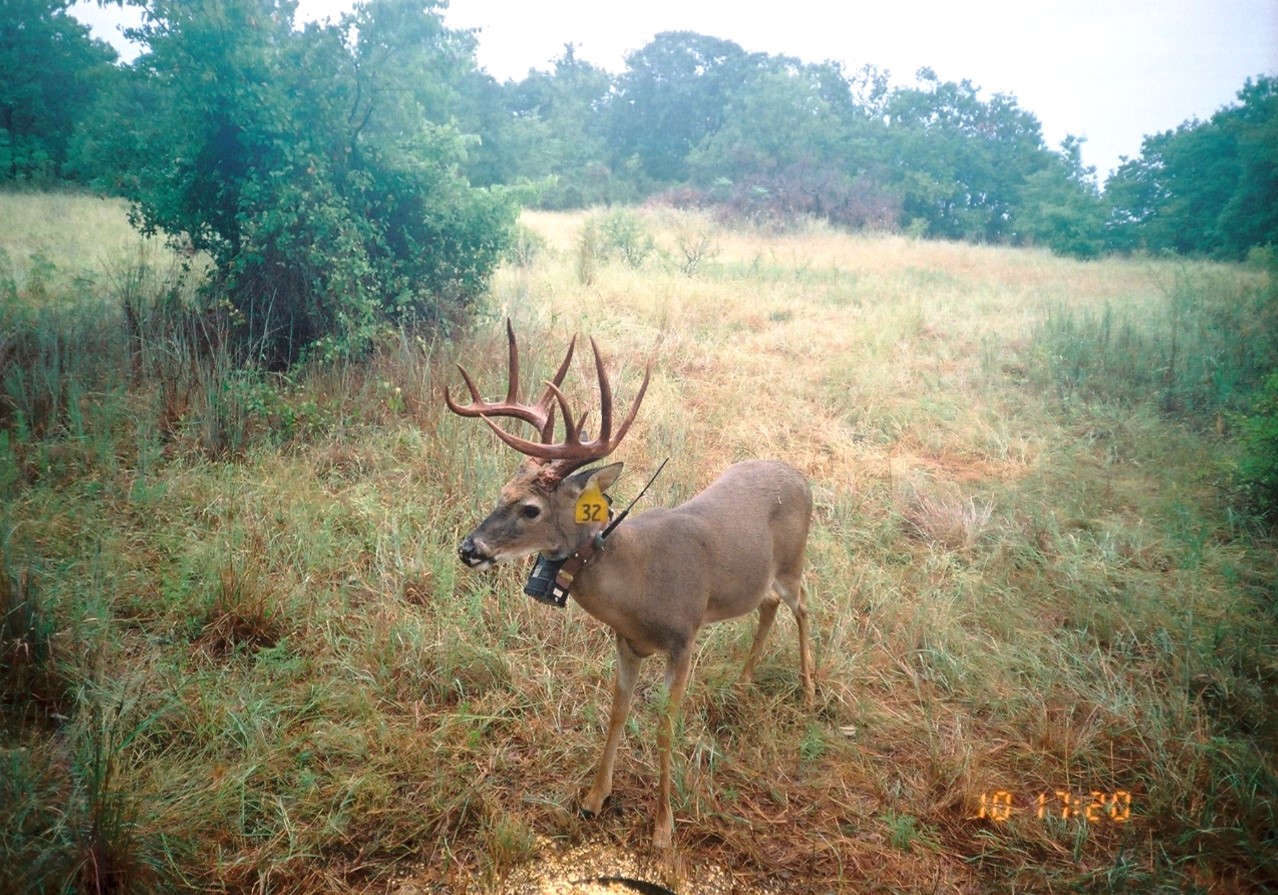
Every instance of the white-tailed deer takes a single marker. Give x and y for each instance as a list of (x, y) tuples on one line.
[(657, 579)]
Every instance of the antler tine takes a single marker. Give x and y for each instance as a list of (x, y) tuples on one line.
[(605, 395), (474, 396), (605, 404), (634, 407), (512, 364), (553, 386), (540, 415), (574, 451)]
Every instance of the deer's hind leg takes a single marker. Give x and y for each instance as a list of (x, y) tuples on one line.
[(790, 589), (678, 669), (767, 615)]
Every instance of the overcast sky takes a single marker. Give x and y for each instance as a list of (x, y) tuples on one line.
[(1111, 71)]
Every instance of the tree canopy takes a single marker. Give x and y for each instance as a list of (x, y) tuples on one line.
[(320, 168), (235, 121), (1207, 187), (52, 72)]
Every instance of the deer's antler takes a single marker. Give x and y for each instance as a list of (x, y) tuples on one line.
[(574, 450), (540, 415)]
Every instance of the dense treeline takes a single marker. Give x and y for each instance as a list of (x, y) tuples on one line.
[(693, 118)]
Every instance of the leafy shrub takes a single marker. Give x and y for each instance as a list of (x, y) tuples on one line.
[(526, 247), (1061, 210), (1258, 468), (623, 232), (303, 164)]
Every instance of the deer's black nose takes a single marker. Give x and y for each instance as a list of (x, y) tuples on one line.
[(471, 555)]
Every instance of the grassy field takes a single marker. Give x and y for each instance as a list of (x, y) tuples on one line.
[(239, 653)]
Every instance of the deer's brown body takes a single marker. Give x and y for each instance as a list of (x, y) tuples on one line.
[(661, 575), (665, 573)]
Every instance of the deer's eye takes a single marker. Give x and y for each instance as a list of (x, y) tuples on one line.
[(530, 511)]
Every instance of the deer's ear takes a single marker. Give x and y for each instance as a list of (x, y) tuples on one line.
[(602, 477)]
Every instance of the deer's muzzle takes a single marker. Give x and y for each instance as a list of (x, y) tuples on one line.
[(473, 555)]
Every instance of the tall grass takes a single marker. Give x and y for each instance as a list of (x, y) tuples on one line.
[(240, 653), (1201, 349)]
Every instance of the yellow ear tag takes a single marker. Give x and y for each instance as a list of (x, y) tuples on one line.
[(592, 506)]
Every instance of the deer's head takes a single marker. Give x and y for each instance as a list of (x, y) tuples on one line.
[(540, 508)]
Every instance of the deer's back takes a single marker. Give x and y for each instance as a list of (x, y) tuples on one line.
[(713, 557), (754, 490), (757, 511)]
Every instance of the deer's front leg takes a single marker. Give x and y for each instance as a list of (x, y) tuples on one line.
[(677, 671), (623, 689)]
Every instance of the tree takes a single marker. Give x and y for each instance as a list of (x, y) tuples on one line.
[(779, 120), (304, 164), (1134, 194), (673, 94), (1207, 188), (423, 70), (1060, 206), (790, 145), (561, 112), (1250, 215), (962, 160), (53, 71)]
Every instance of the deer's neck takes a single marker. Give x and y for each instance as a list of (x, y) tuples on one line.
[(599, 587)]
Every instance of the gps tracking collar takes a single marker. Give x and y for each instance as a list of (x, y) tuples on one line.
[(550, 579)]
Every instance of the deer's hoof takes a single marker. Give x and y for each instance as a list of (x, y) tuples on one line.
[(592, 805), (663, 831)]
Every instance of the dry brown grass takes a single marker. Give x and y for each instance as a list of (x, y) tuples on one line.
[(1012, 592)]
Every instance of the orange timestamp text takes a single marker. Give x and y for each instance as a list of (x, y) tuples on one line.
[(1094, 808)]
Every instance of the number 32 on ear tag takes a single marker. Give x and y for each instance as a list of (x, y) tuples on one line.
[(592, 506)]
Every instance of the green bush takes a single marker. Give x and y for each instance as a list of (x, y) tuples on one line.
[(1258, 468), (303, 163), (626, 234), (1197, 353)]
